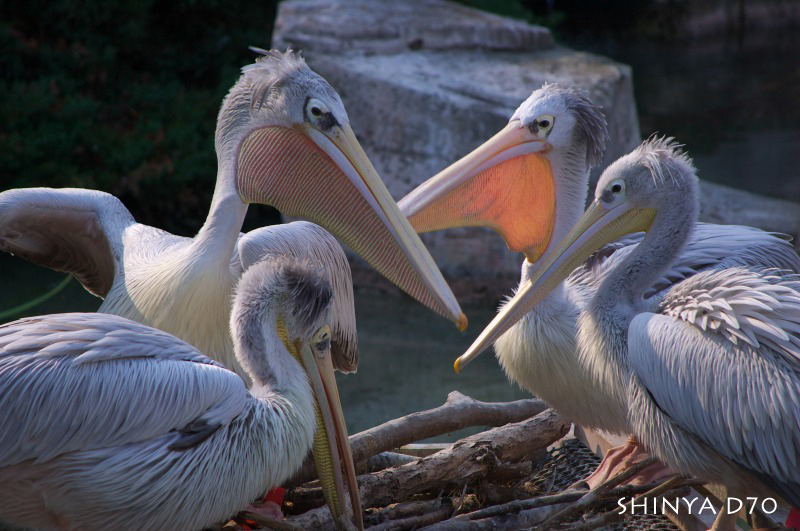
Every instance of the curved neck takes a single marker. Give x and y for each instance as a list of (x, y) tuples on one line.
[(626, 284), (260, 347), (220, 232)]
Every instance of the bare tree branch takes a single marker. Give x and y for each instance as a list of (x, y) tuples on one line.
[(433, 511), (596, 494), (458, 412), (467, 460)]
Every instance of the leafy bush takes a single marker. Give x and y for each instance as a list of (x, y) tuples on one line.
[(122, 96)]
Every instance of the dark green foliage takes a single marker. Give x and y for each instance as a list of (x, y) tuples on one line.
[(122, 96)]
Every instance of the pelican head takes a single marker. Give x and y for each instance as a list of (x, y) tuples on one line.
[(630, 194), (301, 321), (518, 180), (284, 132)]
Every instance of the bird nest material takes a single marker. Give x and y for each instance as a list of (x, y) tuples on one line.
[(508, 477)]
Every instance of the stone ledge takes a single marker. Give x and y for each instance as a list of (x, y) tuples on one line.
[(417, 111), (368, 27)]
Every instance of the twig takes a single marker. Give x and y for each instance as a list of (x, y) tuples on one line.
[(464, 461), (458, 412), (398, 511), (509, 522), (385, 460), (456, 465), (673, 485), (444, 510), (597, 493)]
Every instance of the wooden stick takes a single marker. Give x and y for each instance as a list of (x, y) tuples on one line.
[(435, 511), (468, 460), (597, 493), (400, 510), (458, 412), (385, 460), (675, 486), (509, 522)]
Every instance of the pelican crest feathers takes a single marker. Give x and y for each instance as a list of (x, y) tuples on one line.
[(271, 72), (590, 118), (661, 154), (304, 284)]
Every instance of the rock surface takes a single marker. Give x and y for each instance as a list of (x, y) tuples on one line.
[(426, 82), (365, 26)]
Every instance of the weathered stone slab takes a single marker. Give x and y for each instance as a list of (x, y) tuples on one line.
[(730, 206), (367, 26), (417, 109)]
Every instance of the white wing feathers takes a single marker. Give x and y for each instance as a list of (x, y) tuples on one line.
[(96, 380), (73, 230), (751, 306)]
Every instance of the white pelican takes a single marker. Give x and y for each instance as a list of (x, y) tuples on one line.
[(283, 138), (108, 423), (711, 373), (529, 183)]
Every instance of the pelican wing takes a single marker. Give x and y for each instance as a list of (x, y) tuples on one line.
[(307, 241), (73, 230), (710, 246), (721, 361), (86, 381), (744, 305)]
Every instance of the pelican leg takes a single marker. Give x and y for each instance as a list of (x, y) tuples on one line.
[(725, 521), (267, 509), (620, 458)]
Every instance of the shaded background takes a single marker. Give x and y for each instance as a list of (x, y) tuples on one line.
[(122, 96)]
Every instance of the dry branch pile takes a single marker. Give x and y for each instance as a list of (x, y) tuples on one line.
[(480, 482)]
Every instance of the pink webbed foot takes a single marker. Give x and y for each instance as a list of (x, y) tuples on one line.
[(254, 516), (620, 458)]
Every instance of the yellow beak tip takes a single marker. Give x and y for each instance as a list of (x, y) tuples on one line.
[(462, 323), (457, 366)]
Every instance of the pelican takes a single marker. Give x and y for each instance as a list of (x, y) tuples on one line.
[(529, 183), (109, 423), (283, 138), (711, 372)]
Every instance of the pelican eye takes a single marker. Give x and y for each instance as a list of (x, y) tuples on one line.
[(323, 345), (614, 191), (545, 122), (319, 114), (322, 340)]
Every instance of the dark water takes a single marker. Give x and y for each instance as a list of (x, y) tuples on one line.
[(406, 352)]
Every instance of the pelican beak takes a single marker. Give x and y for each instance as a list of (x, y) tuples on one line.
[(598, 226), (325, 177), (505, 184), (331, 444)]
